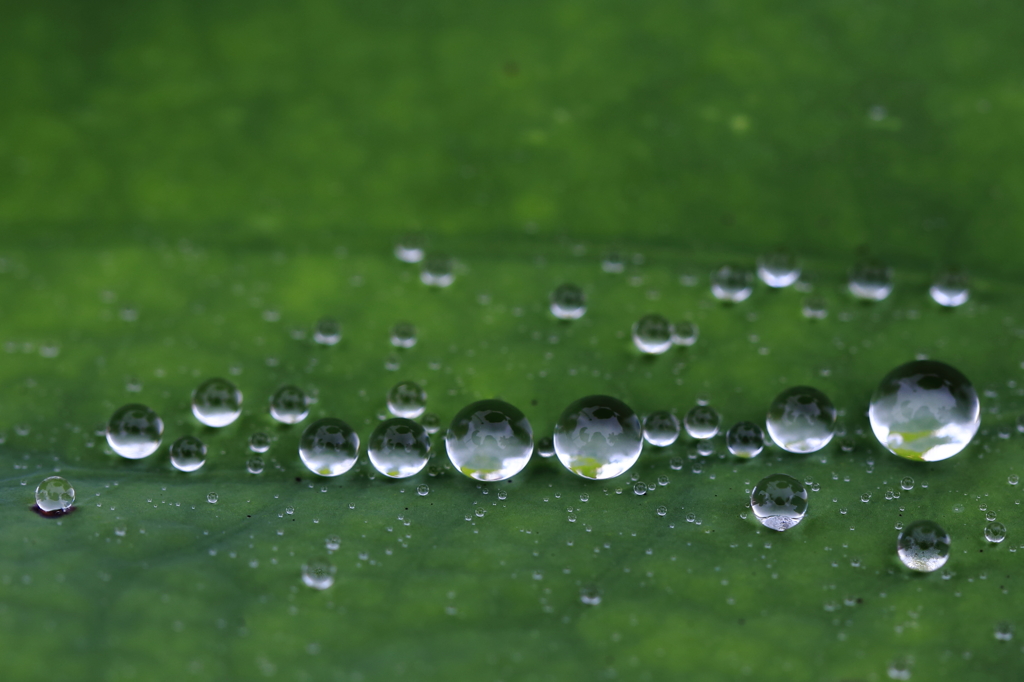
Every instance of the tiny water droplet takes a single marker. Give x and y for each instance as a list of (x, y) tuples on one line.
[(422, 490), (212, 498)]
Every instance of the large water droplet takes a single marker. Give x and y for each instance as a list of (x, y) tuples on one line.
[(217, 402), (329, 447), (925, 411), (55, 494), (652, 334), (318, 574), (399, 447), (403, 335), (801, 419), (598, 437), (923, 546), (870, 281), (731, 284), (489, 440), (745, 439), (407, 399), (779, 501), (951, 289), (702, 422), (327, 331), (778, 270), (568, 302), (188, 453), (661, 428), (134, 431), (289, 405)]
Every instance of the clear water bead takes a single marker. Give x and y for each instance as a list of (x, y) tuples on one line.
[(489, 440), (217, 402), (403, 335), (318, 574), (259, 442), (407, 399), (54, 494), (437, 272), (409, 249), (652, 334), (732, 284), (745, 439), (661, 428), (134, 431), (568, 302), (546, 447), (598, 437), (778, 270), (779, 501), (289, 405), (925, 411), (702, 422), (870, 281), (254, 465), (188, 453), (950, 290), (995, 532), (431, 422), (685, 333), (814, 308), (329, 447), (801, 419), (399, 448), (923, 546), (327, 331)]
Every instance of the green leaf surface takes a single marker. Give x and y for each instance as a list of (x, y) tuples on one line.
[(185, 188)]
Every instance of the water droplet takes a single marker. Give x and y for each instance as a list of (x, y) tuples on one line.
[(188, 453), (399, 448), (801, 419), (407, 399), (54, 494), (652, 334), (661, 511), (907, 483), (480, 511), (865, 497), (489, 440), (403, 335), (951, 289), (422, 490), (254, 465), (409, 249), (217, 402), (134, 431), (925, 411), (640, 488), (778, 270), (870, 281), (815, 308), (661, 428), (702, 422), (289, 405), (590, 595), (923, 546), (685, 333), (1003, 632), (745, 439), (332, 543), (613, 263), (732, 284), (329, 447), (900, 668), (327, 331), (437, 272), (318, 574), (212, 498), (259, 442), (995, 532), (546, 447), (1013, 479), (598, 437), (568, 302), (431, 422), (779, 501)]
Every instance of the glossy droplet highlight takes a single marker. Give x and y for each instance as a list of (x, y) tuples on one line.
[(437, 272), (217, 402), (652, 334), (431, 422), (329, 447), (995, 532), (54, 494), (661, 428), (870, 281), (403, 335), (925, 411), (568, 302), (407, 399), (188, 453), (685, 333), (702, 422), (598, 437), (778, 270), (814, 308), (327, 331), (289, 405), (732, 284), (779, 501), (318, 574), (546, 447), (923, 546), (399, 448), (489, 440), (801, 419), (950, 290), (254, 465), (134, 431), (259, 442), (745, 439)]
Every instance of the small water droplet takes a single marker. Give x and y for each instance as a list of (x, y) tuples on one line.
[(702, 422), (318, 574), (923, 546), (568, 302), (54, 494), (661, 428), (259, 442), (254, 465), (327, 331), (995, 532), (745, 439), (870, 281), (134, 431), (212, 498), (403, 335), (422, 490), (289, 405), (188, 453), (732, 284), (652, 334), (407, 399), (779, 502)]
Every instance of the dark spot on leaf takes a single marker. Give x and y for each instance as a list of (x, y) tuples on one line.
[(52, 514)]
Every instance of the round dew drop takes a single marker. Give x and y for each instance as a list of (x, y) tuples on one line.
[(815, 308), (259, 442), (409, 249), (925, 411), (995, 532), (327, 331), (431, 422), (598, 437), (489, 440), (188, 453), (702, 422), (661, 428), (950, 290), (801, 419), (289, 405), (923, 546), (318, 574), (217, 402), (731, 284), (437, 272), (568, 302), (779, 502), (134, 431), (685, 333), (870, 281), (403, 335), (407, 399), (546, 447), (254, 465), (652, 334), (399, 448), (55, 494), (745, 439), (778, 270), (329, 447)]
